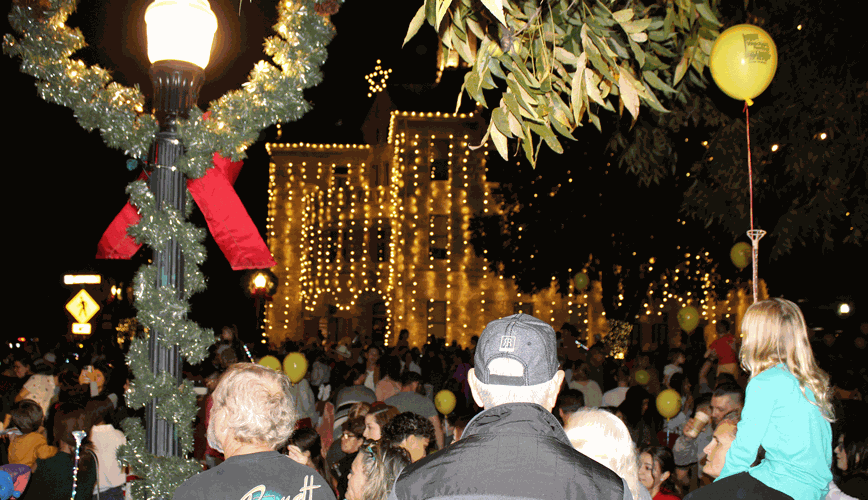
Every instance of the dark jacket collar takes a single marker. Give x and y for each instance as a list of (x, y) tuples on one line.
[(516, 418)]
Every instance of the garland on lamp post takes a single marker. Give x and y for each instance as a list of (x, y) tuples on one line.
[(272, 94)]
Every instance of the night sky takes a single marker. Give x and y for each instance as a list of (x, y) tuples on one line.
[(64, 186)]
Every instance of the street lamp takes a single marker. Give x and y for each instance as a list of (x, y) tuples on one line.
[(180, 34), (261, 285)]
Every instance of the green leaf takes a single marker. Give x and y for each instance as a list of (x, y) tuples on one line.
[(655, 81), (622, 16), (576, 94), (547, 135), (706, 13), (496, 8), (652, 101), (476, 28), (681, 69), (591, 82), (442, 9), (500, 120), (629, 96), (512, 104), (516, 125), (636, 26), (499, 141), (638, 53), (415, 24), (706, 45), (565, 56)]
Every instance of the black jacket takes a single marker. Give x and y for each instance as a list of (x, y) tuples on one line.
[(516, 450)]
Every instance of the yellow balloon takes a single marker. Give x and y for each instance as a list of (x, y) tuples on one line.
[(445, 401), (642, 376), (581, 281), (688, 318), (668, 403), (741, 254), (270, 362), (743, 61), (295, 366)]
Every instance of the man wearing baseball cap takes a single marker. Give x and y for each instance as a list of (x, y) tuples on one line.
[(515, 447)]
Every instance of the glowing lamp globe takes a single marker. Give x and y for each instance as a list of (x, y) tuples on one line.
[(180, 30)]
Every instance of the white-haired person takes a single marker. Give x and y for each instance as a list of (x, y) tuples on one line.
[(602, 436), (787, 412), (253, 415), (374, 470)]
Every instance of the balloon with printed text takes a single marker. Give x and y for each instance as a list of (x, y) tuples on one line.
[(743, 61)]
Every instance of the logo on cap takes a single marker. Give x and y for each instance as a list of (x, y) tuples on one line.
[(507, 343)]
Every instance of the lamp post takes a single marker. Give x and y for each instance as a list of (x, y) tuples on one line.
[(261, 285), (180, 34)]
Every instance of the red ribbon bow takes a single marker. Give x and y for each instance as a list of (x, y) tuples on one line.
[(234, 232)]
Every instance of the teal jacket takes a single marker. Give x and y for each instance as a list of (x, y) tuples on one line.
[(797, 440)]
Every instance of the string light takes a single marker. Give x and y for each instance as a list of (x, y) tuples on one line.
[(377, 79)]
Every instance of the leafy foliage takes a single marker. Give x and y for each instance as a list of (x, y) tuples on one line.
[(558, 63)]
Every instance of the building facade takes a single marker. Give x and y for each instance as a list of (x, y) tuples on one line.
[(374, 238)]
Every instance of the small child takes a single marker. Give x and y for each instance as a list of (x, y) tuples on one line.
[(25, 449), (676, 360), (787, 411)]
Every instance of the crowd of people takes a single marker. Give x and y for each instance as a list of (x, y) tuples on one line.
[(763, 415)]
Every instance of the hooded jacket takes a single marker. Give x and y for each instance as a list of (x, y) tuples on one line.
[(516, 451)]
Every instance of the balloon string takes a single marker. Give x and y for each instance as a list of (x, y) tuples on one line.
[(749, 166), (754, 234)]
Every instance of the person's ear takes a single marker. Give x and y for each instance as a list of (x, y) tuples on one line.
[(554, 390), (472, 381), (664, 476)]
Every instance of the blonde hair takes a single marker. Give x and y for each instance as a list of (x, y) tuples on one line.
[(604, 437), (775, 332)]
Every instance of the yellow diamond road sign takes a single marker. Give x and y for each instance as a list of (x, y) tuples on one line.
[(82, 307)]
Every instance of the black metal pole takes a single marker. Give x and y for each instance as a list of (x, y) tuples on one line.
[(176, 87)]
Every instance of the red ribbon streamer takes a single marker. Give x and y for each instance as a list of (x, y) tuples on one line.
[(228, 220)]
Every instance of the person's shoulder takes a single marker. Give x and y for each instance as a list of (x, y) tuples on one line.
[(777, 375)]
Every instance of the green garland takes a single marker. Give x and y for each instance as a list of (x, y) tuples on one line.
[(272, 94)]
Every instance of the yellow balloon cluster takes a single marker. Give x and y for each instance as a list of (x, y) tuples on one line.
[(743, 61), (294, 365)]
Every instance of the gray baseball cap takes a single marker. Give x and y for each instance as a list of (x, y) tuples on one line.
[(522, 338)]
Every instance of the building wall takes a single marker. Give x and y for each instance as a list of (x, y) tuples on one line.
[(375, 238)]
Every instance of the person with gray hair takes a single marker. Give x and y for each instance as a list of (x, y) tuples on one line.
[(515, 447), (253, 415)]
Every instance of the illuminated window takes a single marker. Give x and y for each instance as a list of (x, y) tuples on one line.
[(660, 331), (342, 178), (333, 245), (438, 242), (353, 242), (380, 174), (384, 234), (440, 160), (437, 319)]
